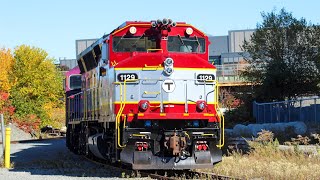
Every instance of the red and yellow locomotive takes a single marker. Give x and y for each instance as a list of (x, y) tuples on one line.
[(148, 98)]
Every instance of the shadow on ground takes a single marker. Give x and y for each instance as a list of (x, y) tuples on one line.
[(51, 157)]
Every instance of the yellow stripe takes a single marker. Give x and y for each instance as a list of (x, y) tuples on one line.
[(161, 68), (140, 114), (163, 114), (130, 115), (164, 102), (129, 26), (143, 68), (185, 114), (207, 114)]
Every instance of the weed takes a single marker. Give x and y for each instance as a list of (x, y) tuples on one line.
[(266, 161)]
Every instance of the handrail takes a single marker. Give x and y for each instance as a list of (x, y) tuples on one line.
[(123, 92), (221, 117), (151, 93), (118, 116), (154, 50), (146, 67)]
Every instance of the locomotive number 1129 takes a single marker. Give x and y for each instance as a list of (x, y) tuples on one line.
[(126, 76), (205, 77)]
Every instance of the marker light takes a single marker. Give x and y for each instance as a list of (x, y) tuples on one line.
[(143, 105), (133, 30), (189, 30), (195, 123), (201, 105), (168, 62), (147, 123), (159, 21)]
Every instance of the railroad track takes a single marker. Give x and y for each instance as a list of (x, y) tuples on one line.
[(163, 174)]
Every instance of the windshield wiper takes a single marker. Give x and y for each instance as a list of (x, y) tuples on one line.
[(183, 43), (119, 41), (198, 50), (137, 40)]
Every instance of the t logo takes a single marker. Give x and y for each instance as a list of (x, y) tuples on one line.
[(168, 85)]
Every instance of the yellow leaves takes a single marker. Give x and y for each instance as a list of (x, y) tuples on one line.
[(38, 84), (55, 114), (6, 64)]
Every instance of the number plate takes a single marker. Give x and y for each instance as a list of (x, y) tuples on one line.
[(205, 77), (127, 76)]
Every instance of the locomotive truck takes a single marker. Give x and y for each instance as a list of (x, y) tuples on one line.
[(148, 98)]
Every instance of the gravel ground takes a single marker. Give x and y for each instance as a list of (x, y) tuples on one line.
[(50, 159), (16, 134)]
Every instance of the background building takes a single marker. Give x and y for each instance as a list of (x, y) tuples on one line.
[(81, 45)]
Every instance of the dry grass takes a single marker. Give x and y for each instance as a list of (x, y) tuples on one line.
[(266, 161)]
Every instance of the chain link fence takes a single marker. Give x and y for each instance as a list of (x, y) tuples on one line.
[(304, 109)]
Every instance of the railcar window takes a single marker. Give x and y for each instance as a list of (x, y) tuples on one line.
[(75, 82), (133, 43), (186, 44)]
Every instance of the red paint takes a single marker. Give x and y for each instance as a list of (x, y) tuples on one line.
[(139, 59)]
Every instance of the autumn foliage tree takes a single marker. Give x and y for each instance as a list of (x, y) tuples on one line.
[(38, 89), (6, 64), (284, 57)]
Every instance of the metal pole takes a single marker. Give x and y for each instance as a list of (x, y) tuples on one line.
[(7, 150), (2, 130), (300, 112), (315, 110)]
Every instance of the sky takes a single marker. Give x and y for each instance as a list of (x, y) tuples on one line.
[(54, 25)]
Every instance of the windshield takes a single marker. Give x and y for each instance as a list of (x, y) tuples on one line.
[(75, 82), (134, 43), (186, 44)]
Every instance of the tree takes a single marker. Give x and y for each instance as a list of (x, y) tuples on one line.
[(38, 84), (6, 61), (284, 57)]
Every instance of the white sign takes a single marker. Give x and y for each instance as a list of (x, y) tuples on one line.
[(168, 85)]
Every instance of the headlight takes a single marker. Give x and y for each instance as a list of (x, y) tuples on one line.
[(168, 62), (168, 70), (189, 31), (133, 30)]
